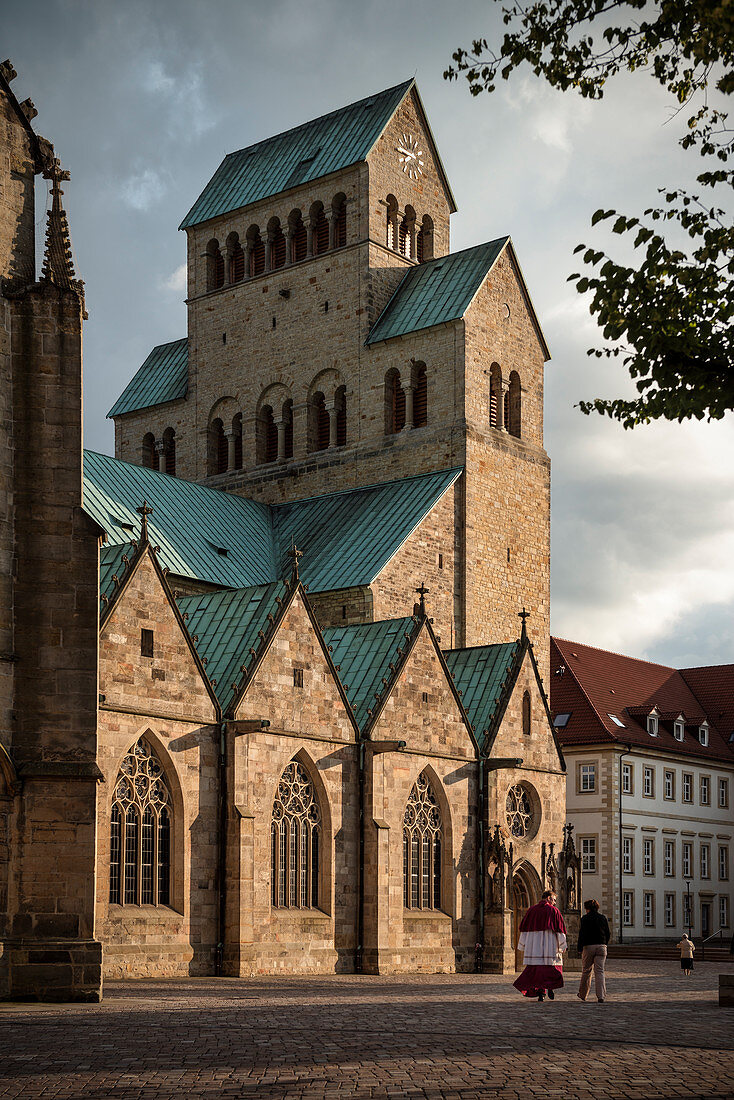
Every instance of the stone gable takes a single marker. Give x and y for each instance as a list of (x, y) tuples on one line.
[(169, 682)]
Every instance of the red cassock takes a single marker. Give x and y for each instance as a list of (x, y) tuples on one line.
[(542, 941)]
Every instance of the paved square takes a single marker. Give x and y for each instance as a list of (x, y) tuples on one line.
[(429, 1036)]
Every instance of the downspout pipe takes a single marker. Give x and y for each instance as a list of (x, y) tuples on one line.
[(221, 844), (627, 751), (359, 956)]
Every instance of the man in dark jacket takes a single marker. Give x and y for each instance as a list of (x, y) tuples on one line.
[(593, 939)]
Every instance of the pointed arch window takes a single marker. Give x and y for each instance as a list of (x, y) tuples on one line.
[(295, 841), (526, 714), (422, 847), (140, 831)]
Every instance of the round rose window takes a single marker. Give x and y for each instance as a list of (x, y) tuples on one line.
[(519, 808)]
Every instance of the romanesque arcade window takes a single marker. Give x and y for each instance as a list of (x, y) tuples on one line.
[(422, 837), (295, 835), (148, 452), (140, 831)]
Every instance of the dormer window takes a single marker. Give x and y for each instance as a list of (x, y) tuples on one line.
[(703, 733), (652, 725), (678, 729)]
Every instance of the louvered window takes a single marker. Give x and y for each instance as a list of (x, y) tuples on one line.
[(299, 242), (277, 251), (170, 442), (341, 424), (140, 863), (404, 239), (238, 442), (270, 452), (340, 226), (238, 264), (397, 396), (288, 418), (257, 257), (320, 234), (322, 423), (420, 399), (218, 270), (419, 246), (222, 449), (149, 456)]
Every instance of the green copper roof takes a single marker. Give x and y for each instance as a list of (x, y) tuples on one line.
[(203, 534), (111, 565), (363, 655), (164, 376), (226, 625), (437, 291), (226, 540), (479, 674), (314, 149), (347, 538)]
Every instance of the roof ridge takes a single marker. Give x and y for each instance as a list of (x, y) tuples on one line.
[(319, 118), (614, 653), (484, 645)]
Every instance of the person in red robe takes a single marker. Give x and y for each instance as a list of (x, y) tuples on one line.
[(542, 941)]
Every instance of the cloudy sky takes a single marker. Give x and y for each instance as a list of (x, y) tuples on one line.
[(142, 101)]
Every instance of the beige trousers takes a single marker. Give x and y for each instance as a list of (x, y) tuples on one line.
[(594, 956)]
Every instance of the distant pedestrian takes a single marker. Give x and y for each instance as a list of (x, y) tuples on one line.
[(542, 941), (686, 955), (594, 936)]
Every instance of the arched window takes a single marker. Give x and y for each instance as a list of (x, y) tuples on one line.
[(320, 228), (237, 429), (288, 421), (169, 441), (391, 238), (526, 714), (214, 266), (422, 837), (148, 455), (267, 450), (256, 246), (339, 206), (299, 237), (394, 403), (420, 395), (424, 240), (514, 401), (277, 244), (140, 831), (406, 235), (218, 448), (295, 834), (495, 396), (506, 409), (318, 423), (340, 401), (236, 258)]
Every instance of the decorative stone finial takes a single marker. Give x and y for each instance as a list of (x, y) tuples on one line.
[(295, 554), (144, 511), (524, 615), (422, 592), (58, 267)]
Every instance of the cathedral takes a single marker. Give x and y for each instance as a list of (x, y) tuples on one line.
[(273, 679)]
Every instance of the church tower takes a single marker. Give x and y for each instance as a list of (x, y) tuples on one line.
[(48, 595), (335, 341)]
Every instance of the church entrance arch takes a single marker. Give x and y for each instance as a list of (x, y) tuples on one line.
[(526, 891)]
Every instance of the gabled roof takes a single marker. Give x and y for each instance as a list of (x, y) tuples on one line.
[(226, 626), (480, 674), (307, 152), (113, 562), (366, 654), (713, 686), (347, 538), (191, 523), (226, 540), (596, 684), (164, 376), (437, 291)]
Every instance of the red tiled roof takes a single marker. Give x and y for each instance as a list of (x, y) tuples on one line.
[(713, 686), (597, 683)]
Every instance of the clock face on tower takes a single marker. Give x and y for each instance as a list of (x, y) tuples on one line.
[(409, 156)]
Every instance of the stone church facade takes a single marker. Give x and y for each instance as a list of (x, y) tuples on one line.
[(273, 688)]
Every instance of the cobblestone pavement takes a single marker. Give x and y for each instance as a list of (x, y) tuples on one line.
[(428, 1036)]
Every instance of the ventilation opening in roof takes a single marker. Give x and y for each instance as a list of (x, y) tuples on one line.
[(219, 549), (300, 172), (121, 522)]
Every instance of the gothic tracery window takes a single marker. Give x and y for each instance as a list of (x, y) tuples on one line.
[(422, 839), (295, 834), (519, 811), (140, 831)]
